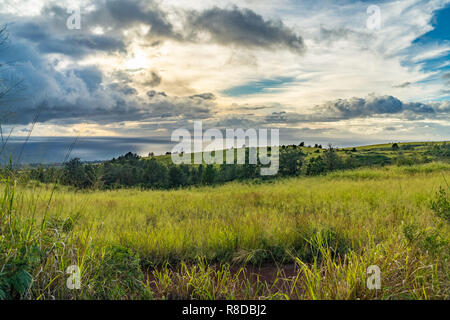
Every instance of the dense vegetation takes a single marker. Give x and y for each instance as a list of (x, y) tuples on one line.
[(131, 170), (315, 236)]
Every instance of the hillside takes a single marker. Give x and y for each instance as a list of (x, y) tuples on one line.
[(158, 172), (290, 238)]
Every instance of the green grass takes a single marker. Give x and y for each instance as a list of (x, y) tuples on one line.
[(331, 227)]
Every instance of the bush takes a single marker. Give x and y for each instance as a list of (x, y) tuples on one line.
[(119, 276), (429, 240), (441, 205), (291, 162), (315, 166)]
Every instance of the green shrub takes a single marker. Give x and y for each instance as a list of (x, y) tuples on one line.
[(441, 205), (430, 240), (119, 275)]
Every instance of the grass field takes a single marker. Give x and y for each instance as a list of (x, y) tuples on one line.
[(295, 238)]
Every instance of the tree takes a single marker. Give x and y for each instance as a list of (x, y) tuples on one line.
[(155, 174), (395, 147), (315, 166), (291, 162), (209, 175), (175, 176), (194, 177), (332, 159), (90, 176), (74, 173)]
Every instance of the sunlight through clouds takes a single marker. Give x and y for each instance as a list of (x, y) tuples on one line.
[(138, 61)]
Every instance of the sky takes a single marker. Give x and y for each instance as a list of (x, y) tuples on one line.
[(346, 72)]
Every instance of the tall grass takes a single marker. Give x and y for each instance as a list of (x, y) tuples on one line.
[(38, 244), (205, 243)]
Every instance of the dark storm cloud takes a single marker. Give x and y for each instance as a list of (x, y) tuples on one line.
[(78, 94), (49, 34), (244, 27), (114, 16), (68, 95), (79, 45), (239, 27), (357, 107), (343, 109), (51, 40), (74, 93), (121, 14), (107, 106)]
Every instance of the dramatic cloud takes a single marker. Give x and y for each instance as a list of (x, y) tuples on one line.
[(115, 16), (140, 67), (77, 94), (239, 27), (64, 91), (58, 40), (372, 106), (243, 27), (359, 107)]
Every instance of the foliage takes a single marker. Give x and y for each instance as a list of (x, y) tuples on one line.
[(441, 204), (130, 170), (197, 244)]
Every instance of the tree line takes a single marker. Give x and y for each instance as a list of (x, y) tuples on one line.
[(131, 170)]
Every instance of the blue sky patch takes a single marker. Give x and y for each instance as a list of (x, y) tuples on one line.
[(441, 28), (260, 86)]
